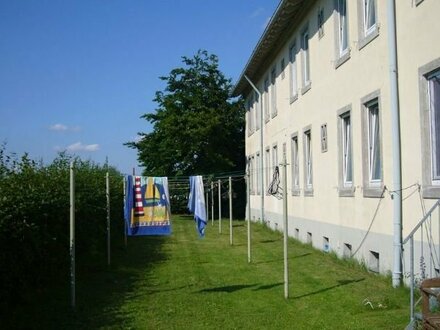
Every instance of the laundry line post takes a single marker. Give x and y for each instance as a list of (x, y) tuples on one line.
[(107, 194), (219, 206), (124, 198), (72, 236), (286, 268), (230, 210), (207, 205), (212, 203), (248, 193)]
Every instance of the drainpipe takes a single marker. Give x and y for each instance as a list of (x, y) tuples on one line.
[(261, 146), (396, 146)]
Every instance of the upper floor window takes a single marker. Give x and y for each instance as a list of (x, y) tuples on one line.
[(321, 22), (295, 164), (305, 60), (369, 16), (367, 20), (266, 99), (257, 110), (273, 91), (434, 118), (342, 27), (293, 74)]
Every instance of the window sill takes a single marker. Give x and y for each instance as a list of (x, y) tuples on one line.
[(342, 59), (365, 40), (296, 192), (373, 192), (274, 114), (308, 192), (306, 88), (346, 191), (431, 191), (293, 98)]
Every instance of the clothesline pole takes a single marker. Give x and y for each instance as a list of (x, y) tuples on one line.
[(230, 210), (107, 194), (125, 222), (207, 206), (249, 216), (212, 203), (72, 235), (219, 206), (285, 216)]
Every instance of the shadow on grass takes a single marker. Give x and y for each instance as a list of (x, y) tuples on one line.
[(281, 259), (237, 287), (100, 290), (340, 283)]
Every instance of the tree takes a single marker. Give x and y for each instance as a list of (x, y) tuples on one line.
[(197, 127)]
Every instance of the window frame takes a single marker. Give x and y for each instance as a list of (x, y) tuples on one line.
[(305, 58), (268, 167), (321, 22), (308, 161), (293, 73), (294, 154), (366, 35), (266, 100), (346, 188), (372, 187), (430, 186), (341, 55), (273, 91)]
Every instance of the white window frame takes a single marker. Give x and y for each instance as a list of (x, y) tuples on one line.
[(372, 145), (267, 168), (274, 156), (434, 119), (342, 27), (366, 8), (257, 173), (295, 164), (257, 110), (305, 51), (369, 8), (345, 145), (273, 91), (430, 186), (308, 162), (293, 73), (320, 22), (266, 100)]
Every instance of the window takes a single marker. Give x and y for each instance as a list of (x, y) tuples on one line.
[(341, 32), (283, 66), (266, 99), (252, 178), (273, 91), (321, 22), (257, 173), (367, 18), (372, 149), (250, 115), (257, 111), (324, 142), (251, 174), (295, 165), (430, 127), (308, 168), (293, 74), (346, 187), (305, 60), (434, 118), (267, 168), (274, 157)]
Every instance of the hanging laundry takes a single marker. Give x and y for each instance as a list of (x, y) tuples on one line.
[(147, 206), (196, 203)]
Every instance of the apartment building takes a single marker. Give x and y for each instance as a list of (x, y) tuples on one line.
[(348, 92)]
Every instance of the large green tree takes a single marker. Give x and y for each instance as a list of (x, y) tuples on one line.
[(197, 127)]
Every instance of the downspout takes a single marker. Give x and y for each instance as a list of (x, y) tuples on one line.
[(261, 146), (396, 146)]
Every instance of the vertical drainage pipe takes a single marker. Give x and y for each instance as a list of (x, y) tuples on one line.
[(396, 145), (261, 146)]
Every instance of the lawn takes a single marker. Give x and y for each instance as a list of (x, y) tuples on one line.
[(183, 282)]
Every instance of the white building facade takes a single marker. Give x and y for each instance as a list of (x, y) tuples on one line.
[(324, 72)]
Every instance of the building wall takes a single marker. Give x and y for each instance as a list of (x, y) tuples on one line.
[(335, 86)]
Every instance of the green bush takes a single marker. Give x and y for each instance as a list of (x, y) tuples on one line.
[(34, 220)]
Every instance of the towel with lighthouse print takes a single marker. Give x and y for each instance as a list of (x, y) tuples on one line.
[(147, 206)]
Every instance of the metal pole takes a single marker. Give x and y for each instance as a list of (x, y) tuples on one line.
[(72, 235), (411, 265), (260, 100), (230, 210), (125, 222), (249, 215), (212, 203), (107, 193), (207, 205), (219, 206), (286, 268), (396, 145)]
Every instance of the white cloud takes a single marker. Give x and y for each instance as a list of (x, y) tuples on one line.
[(257, 12), (58, 127), (78, 146), (62, 128)]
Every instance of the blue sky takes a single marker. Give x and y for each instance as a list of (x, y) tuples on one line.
[(77, 75)]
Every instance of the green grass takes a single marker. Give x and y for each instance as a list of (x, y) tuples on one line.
[(183, 282)]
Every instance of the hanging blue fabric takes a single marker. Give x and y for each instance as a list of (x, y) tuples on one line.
[(196, 203)]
